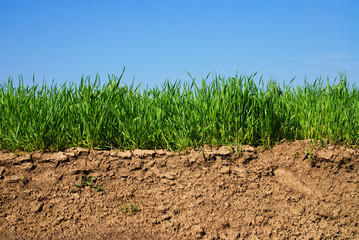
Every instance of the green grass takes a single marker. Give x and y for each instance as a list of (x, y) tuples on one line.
[(176, 115)]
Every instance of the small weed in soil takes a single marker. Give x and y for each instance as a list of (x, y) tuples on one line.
[(309, 155), (133, 209), (87, 180)]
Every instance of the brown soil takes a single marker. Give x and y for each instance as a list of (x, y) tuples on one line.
[(291, 191)]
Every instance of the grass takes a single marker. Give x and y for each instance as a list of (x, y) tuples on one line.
[(309, 154), (176, 115)]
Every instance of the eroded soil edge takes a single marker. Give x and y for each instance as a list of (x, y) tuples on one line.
[(292, 190)]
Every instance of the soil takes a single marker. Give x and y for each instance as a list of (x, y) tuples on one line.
[(292, 191)]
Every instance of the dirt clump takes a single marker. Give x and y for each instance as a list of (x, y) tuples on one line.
[(292, 191)]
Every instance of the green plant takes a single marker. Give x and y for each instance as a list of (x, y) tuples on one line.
[(308, 154), (87, 180), (132, 209), (235, 148), (175, 116)]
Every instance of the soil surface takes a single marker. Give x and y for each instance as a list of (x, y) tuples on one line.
[(292, 191)]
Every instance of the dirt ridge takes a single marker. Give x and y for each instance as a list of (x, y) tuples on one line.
[(294, 190)]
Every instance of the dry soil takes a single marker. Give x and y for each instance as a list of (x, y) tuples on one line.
[(292, 191)]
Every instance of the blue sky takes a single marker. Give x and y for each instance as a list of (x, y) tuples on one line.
[(158, 39)]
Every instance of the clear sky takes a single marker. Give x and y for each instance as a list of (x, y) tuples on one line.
[(158, 39)]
